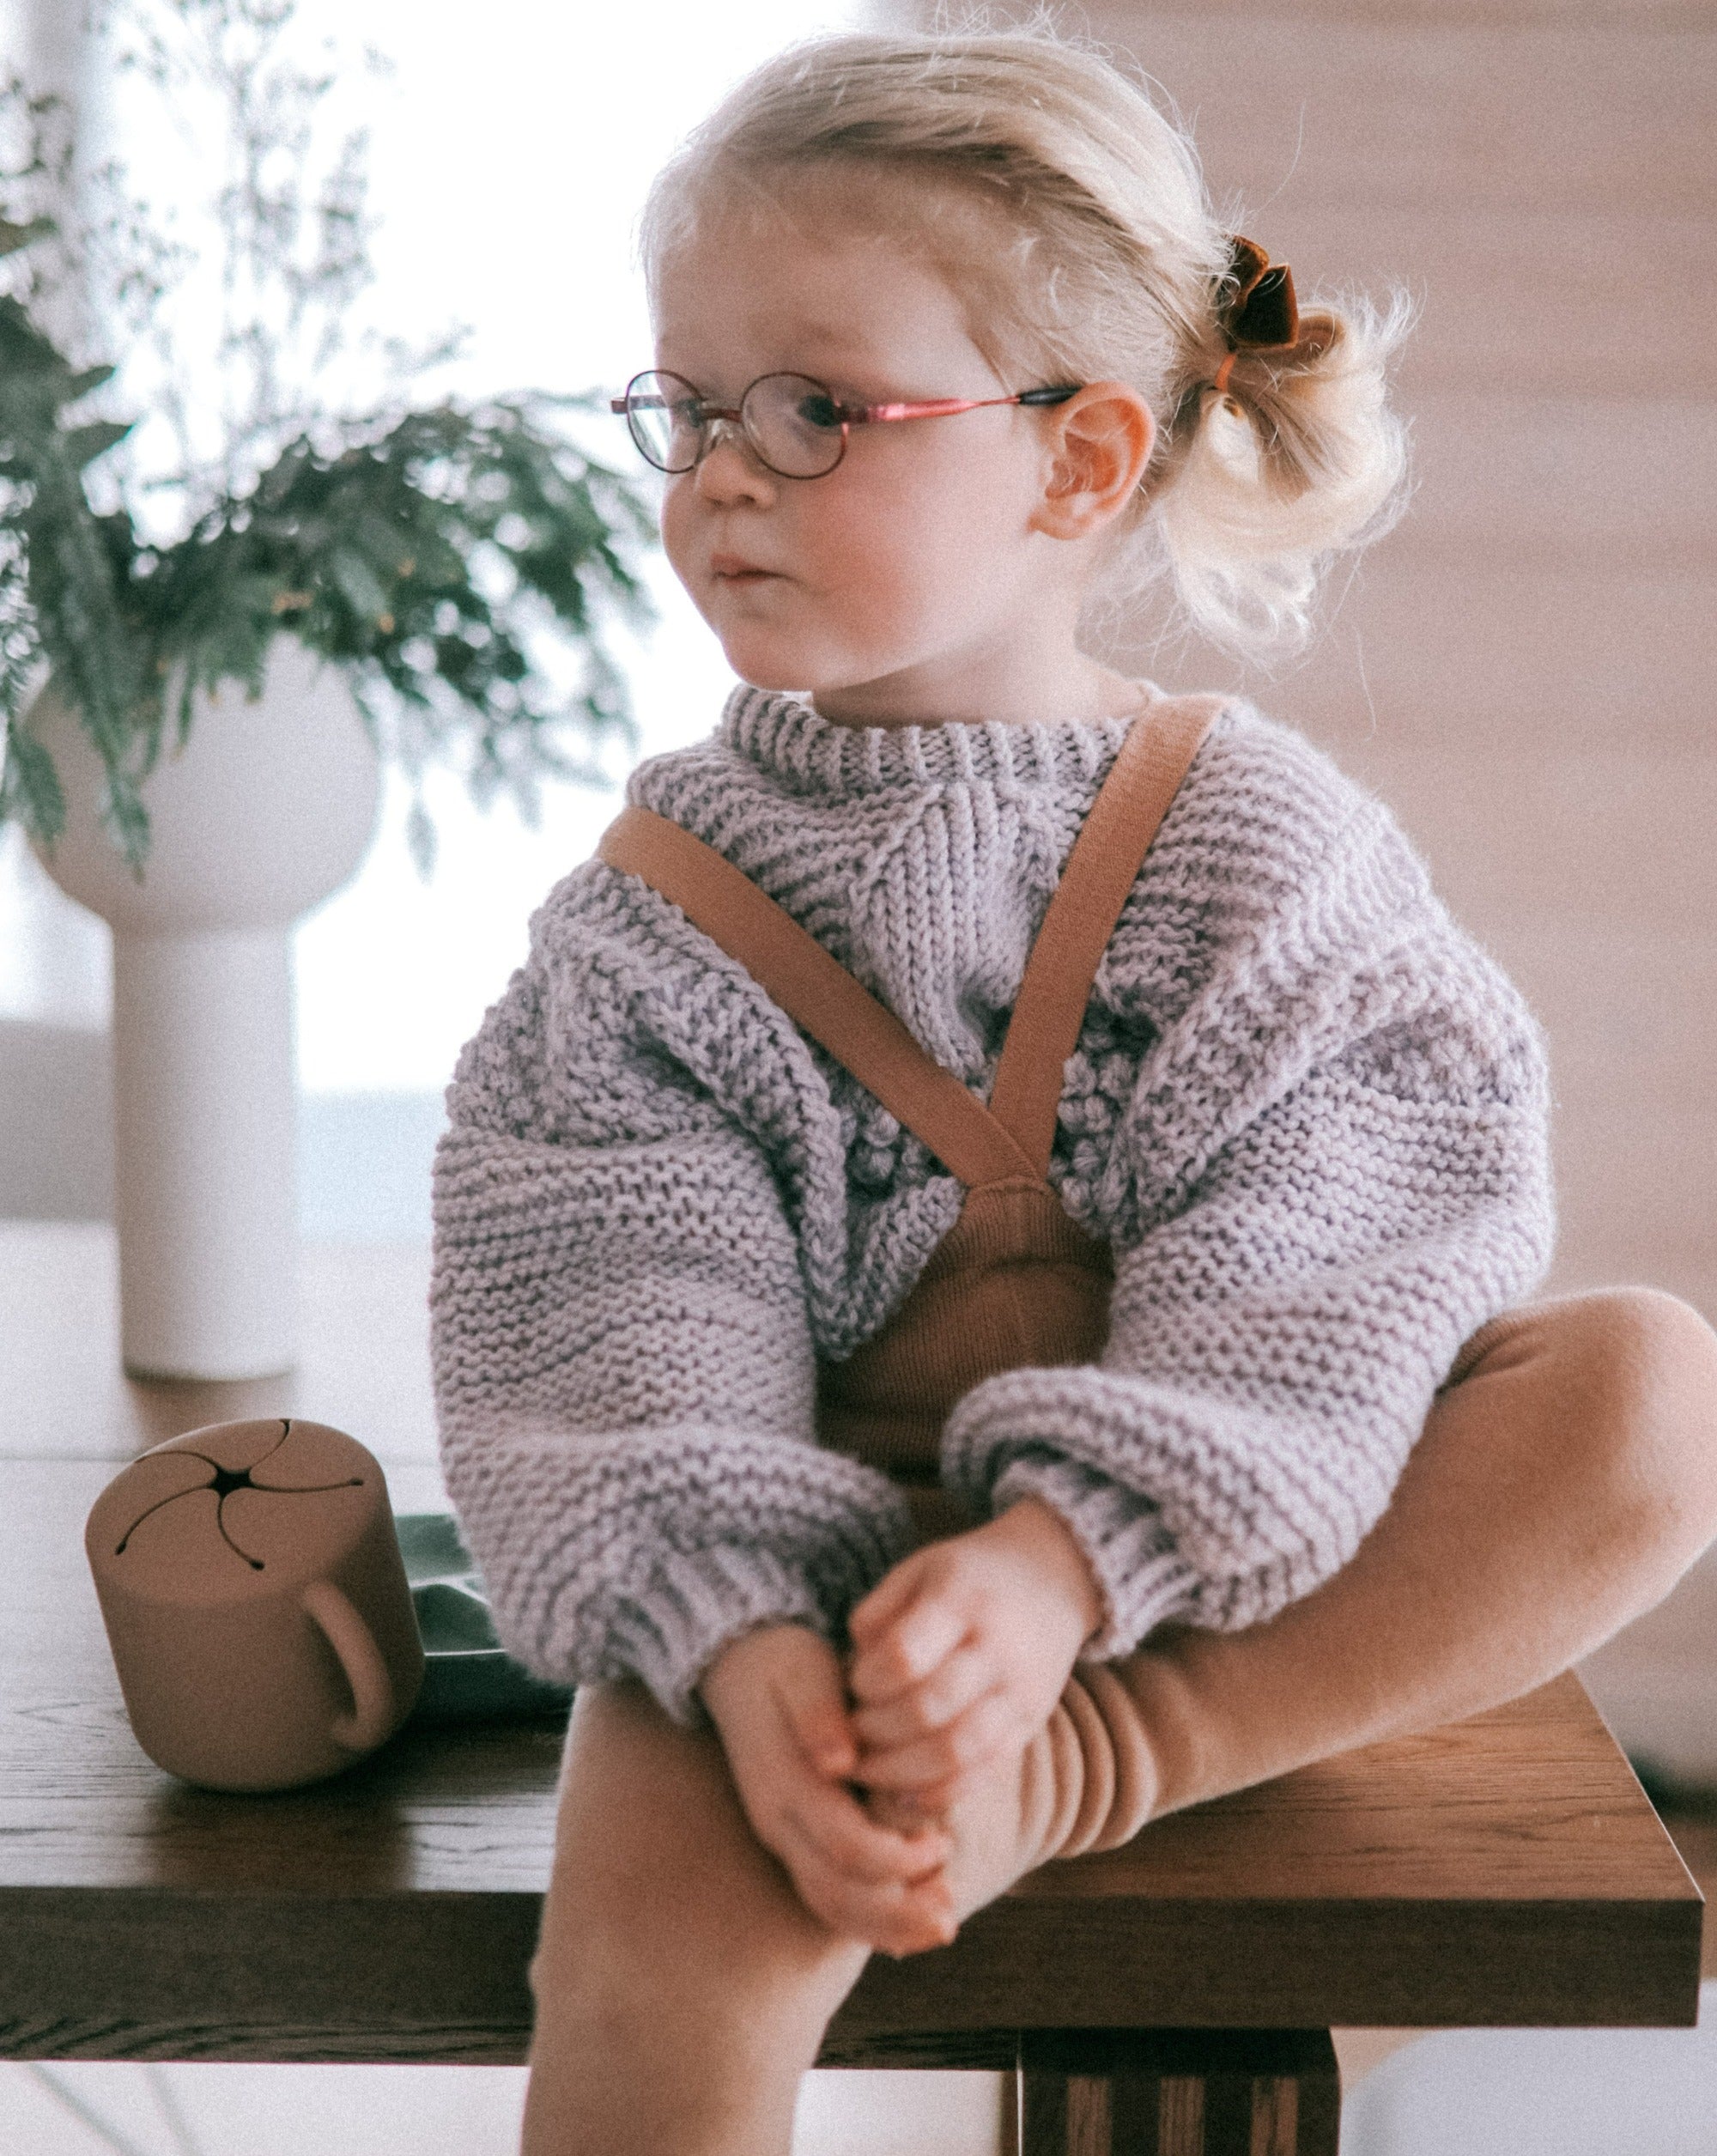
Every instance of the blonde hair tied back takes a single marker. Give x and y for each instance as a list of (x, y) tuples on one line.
[(1269, 479), (1097, 258)]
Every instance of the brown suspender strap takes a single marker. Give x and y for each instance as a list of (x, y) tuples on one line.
[(1106, 858), (789, 964), (1011, 1137)]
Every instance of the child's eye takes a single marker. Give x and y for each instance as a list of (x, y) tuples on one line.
[(818, 408)]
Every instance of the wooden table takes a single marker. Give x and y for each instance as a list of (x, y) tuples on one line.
[(1507, 1870)]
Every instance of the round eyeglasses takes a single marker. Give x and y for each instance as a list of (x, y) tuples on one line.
[(795, 425)]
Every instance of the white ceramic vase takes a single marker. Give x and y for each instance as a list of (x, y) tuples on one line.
[(268, 809)]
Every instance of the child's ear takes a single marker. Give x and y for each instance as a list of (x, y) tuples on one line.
[(1100, 443)]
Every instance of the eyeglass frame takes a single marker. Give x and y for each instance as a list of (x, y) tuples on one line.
[(850, 416)]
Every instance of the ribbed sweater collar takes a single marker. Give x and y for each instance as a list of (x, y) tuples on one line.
[(786, 736)]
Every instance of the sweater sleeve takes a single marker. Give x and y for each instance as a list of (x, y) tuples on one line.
[(621, 1356), (1333, 1168)]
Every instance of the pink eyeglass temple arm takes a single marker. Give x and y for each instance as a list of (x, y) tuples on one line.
[(945, 407), (938, 408)]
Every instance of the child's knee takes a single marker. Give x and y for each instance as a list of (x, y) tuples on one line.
[(1639, 1340), (1624, 1383), (1659, 1383)]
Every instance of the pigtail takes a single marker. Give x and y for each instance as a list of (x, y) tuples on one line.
[(1275, 460)]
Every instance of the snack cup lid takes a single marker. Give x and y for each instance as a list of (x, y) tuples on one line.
[(234, 1511)]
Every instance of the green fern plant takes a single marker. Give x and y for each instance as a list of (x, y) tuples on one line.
[(433, 555)]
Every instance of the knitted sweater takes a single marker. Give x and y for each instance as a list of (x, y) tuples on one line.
[(1308, 1115)]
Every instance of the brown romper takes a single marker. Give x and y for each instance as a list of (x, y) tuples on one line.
[(1016, 1282)]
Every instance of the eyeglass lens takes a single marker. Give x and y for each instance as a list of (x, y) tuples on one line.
[(791, 422)]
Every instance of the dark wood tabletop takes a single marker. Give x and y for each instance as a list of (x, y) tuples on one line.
[(1507, 1870)]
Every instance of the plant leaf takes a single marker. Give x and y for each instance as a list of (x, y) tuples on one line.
[(127, 821), (358, 583), (29, 787), (12, 237), (419, 839), (83, 444), (91, 379)]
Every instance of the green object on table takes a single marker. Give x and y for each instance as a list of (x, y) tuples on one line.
[(468, 1676)]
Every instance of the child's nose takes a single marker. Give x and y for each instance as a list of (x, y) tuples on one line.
[(729, 470)]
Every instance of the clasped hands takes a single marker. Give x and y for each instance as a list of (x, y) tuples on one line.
[(847, 1774)]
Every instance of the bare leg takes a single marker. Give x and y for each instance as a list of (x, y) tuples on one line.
[(1566, 1478), (681, 1988)]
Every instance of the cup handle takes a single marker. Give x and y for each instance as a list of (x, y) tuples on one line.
[(373, 1716)]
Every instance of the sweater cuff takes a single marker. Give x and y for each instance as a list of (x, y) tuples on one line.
[(697, 1602), (667, 1626), (1133, 1556), (643, 1553)]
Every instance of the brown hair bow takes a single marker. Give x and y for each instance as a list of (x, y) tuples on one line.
[(1261, 312), (1258, 311)]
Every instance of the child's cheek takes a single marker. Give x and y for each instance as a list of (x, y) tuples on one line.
[(897, 585), (680, 519)]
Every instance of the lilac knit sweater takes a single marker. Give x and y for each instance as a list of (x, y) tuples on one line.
[(1308, 1114)]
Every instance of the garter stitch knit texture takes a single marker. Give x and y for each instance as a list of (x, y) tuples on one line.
[(1306, 1111)]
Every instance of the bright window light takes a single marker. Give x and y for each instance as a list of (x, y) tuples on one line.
[(509, 156)]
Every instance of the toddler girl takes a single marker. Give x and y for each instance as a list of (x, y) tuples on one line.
[(945, 1250)]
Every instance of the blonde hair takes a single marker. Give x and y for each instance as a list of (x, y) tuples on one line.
[(1099, 258)]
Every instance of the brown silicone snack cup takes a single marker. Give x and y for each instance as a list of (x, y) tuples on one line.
[(256, 1603)]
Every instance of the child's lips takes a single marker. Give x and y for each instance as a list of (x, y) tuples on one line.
[(729, 568)]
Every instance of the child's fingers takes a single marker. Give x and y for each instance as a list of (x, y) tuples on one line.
[(898, 1917), (893, 1929), (818, 1803), (886, 1599), (817, 1720), (951, 1687), (985, 1728), (906, 1651), (829, 1816), (904, 1810), (928, 1805), (884, 1884)]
